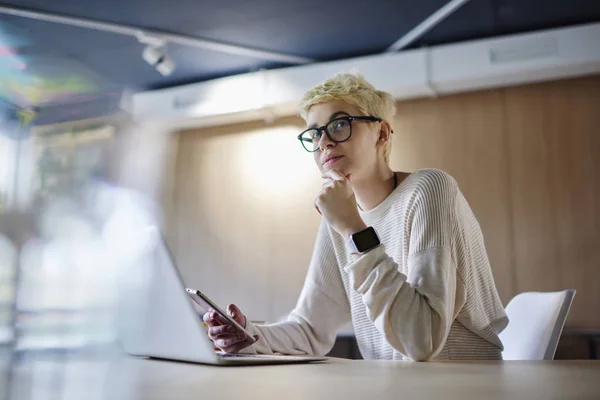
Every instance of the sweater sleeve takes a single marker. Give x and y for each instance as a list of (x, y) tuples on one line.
[(414, 313), (321, 310)]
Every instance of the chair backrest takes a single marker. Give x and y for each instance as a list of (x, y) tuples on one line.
[(536, 320)]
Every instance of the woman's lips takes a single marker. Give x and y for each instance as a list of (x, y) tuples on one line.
[(330, 162)]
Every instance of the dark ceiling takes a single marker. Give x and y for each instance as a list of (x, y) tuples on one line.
[(52, 66)]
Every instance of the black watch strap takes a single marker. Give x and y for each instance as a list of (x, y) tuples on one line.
[(364, 241)]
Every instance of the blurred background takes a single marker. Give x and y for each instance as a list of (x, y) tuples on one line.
[(185, 113)]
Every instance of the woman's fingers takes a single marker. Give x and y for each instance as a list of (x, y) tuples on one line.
[(223, 335), (236, 314), (217, 332), (208, 319), (327, 184), (337, 175), (212, 318), (230, 340), (235, 348)]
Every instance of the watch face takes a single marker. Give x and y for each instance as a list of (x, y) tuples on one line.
[(365, 240)]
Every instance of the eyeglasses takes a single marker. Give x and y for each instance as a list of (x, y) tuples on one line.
[(337, 130)]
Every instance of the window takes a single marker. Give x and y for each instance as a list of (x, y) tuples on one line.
[(7, 171)]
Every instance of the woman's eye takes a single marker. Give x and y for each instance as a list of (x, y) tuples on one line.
[(339, 125)]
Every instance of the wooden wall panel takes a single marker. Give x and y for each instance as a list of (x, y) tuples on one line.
[(245, 225), (555, 178)]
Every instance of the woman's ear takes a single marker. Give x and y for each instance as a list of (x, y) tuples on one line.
[(385, 132)]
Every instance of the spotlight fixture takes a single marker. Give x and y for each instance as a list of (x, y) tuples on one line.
[(158, 58)]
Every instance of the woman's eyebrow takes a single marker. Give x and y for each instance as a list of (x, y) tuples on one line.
[(337, 114), (331, 117)]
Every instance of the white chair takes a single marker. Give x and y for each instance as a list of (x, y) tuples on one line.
[(536, 320)]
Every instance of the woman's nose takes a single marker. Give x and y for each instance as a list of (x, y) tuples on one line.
[(324, 141)]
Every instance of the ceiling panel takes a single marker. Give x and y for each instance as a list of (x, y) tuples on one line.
[(312, 28), (480, 19), (45, 63)]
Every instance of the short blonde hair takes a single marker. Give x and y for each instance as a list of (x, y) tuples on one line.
[(354, 90)]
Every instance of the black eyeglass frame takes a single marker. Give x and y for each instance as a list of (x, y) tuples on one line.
[(349, 118)]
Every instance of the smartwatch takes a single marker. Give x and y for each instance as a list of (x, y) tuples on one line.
[(363, 241)]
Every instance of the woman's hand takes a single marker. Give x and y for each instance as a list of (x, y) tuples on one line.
[(337, 203), (223, 335)]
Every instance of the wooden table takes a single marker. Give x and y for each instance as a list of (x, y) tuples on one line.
[(132, 378)]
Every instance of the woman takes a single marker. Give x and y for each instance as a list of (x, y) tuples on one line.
[(399, 255)]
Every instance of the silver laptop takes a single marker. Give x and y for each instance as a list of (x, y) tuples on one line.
[(158, 320)]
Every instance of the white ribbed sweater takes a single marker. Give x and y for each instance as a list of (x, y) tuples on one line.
[(426, 293)]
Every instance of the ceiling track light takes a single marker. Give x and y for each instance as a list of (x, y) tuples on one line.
[(158, 58), (155, 53)]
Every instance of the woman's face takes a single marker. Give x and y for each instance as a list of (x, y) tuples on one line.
[(356, 156)]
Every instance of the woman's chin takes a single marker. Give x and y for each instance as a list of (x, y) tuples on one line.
[(345, 172), (341, 169)]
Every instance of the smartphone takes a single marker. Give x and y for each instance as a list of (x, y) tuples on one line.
[(207, 305)]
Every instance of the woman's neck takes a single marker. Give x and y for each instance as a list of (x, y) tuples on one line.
[(372, 190)]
